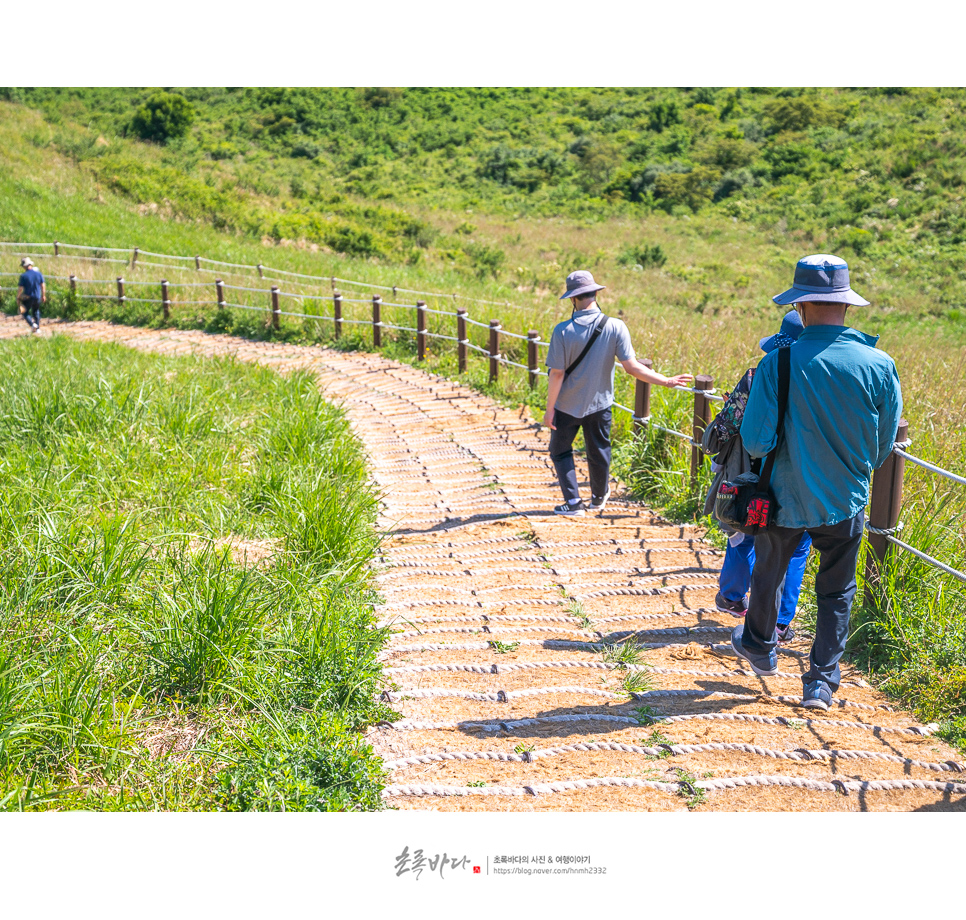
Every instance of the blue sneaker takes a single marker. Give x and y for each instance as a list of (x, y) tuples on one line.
[(765, 665), (817, 695)]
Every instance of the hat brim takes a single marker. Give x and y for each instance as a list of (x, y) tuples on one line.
[(797, 295), (586, 289), (770, 342)]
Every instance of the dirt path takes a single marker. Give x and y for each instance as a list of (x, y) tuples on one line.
[(501, 610)]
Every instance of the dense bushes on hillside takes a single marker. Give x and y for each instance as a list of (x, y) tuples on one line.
[(877, 172)]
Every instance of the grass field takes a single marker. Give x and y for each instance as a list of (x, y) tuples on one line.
[(185, 600)]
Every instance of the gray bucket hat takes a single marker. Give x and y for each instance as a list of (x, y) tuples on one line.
[(821, 278), (580, 282), (791, 329)]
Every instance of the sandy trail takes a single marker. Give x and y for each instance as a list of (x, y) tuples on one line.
[(503, 614)]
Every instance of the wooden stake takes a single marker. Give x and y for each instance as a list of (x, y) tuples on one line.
[(276, 317), (165, 300), (642, 400), (420, 329), (494, 349), (702, 415), (337, 312), (532, 357), (461, 336), (376, 321), (884, 506)]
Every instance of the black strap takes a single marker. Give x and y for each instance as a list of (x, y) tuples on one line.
[(598, 329), (784, 377)]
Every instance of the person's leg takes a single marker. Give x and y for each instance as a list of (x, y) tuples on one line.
[(793, 581), (597, 441), (773, 550), (562, 454), (736, 569), (28, 306), (835, 586)]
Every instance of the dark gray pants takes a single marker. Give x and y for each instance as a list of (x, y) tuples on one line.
[(32, 311), (838, 548), (596, 427)]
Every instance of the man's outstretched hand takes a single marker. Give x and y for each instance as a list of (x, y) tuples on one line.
[(680, 380)]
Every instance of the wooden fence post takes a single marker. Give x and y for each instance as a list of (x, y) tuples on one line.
[(198, 263), (165, 300), (461, 339), (494, 349), (276, 317), (376, 321), (220, 293), (532, 359), (73, 285), (702, 415), (420, 329), (120, 292), (134, 257), (642, 400), (884, 506), (260, 267), (337, 313), (56, 248)]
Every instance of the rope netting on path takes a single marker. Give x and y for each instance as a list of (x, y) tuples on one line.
[(541, 663)]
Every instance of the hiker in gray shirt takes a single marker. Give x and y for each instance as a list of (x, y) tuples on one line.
[(581, 390)]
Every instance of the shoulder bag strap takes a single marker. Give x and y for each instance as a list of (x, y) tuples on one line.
[(598, 329), (784, 378)]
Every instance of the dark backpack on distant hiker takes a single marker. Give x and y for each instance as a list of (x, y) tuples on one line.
[(747, 503)]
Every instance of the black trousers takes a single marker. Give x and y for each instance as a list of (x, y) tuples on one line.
[(31, 311), (596, 428), (837, 546)]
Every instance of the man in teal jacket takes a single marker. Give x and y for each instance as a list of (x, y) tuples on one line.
[(844, 404)]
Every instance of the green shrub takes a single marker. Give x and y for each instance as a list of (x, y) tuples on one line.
[(486, 259), (642, 254), (329, 774), (163, 116)]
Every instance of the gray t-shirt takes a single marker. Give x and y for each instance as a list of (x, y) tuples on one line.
[(590, 387)]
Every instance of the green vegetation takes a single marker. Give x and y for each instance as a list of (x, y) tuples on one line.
[(691, 205), (185, 605)]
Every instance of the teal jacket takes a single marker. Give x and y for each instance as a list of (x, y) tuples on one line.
[(844, 404)]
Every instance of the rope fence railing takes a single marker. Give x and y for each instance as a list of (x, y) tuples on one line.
[(885, 504), (136, 252), (496, 355), (886, 493)]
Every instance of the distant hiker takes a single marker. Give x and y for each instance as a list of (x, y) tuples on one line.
[(31, 293), (844, 404), (581, 390), (723, 439)]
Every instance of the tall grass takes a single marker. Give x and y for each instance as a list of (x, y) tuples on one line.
[(145, 662), (912, 635)]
